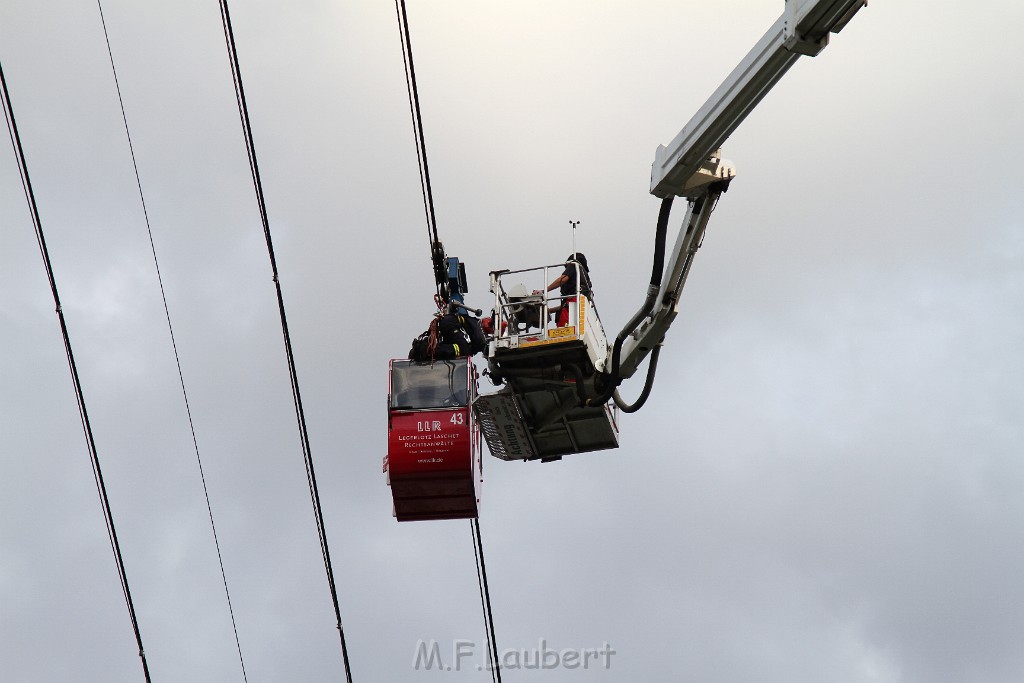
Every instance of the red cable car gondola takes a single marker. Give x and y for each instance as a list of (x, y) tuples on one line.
[(433, 462)]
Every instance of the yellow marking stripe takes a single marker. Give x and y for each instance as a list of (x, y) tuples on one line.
[(542, 342)]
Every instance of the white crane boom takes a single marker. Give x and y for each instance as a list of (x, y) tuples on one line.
[(802, 29), (559, 375), (691, 165)]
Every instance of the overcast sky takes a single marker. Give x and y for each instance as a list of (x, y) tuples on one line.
[(826, 484)]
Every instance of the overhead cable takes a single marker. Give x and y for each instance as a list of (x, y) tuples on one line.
[(436, 253), (243, 112), (101, 489), (174, 345), (437, 259), (485, 601)]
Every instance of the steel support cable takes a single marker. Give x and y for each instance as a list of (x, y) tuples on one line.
[(417, 126), (428, 208), (485, 600), (174, 344), (483, 605), (243, 112), (101, 489)]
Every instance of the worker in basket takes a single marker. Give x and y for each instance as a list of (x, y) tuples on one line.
[(566, 284)]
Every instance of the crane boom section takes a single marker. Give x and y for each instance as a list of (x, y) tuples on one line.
[(652, 330), (802, 29), (691, 165)]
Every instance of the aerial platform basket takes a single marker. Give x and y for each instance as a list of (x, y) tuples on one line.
[(546, 370)]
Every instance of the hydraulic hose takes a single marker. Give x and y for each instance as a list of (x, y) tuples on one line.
[(614, 378), (648, 384), (581, 388)]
